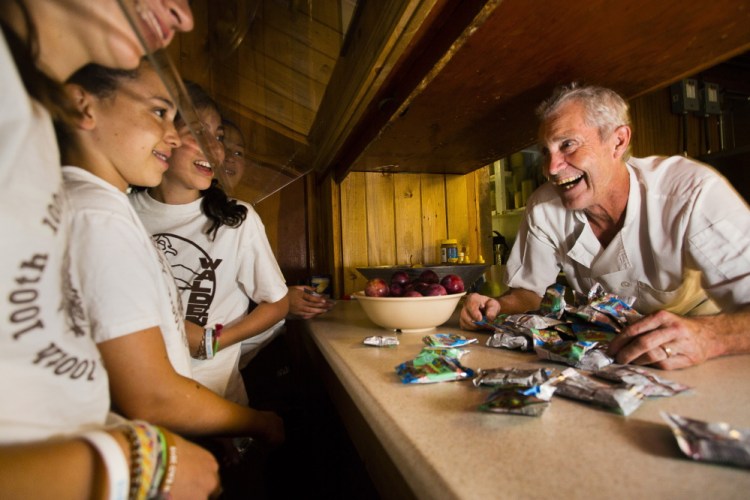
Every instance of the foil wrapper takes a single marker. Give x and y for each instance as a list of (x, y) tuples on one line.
[(433, 365), (519, 400), (623, 399), (651, 384), (717, 442), (379, 341), (447, 340), (524, 377)]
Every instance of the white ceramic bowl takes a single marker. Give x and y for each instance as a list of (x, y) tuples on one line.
[(409, 314)]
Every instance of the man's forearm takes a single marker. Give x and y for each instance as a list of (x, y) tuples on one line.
[(519, 300), (729, 332)]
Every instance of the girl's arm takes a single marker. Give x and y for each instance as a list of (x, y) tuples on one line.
[(145, 386), (73, 468), (263, 317)]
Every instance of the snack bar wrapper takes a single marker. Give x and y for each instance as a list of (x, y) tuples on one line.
[(508, 337), (651, 384), (379, 341), (580, 354), (434, 365), (519, 400), (514, 375), (447, 340), (623, 399), (711, 441)]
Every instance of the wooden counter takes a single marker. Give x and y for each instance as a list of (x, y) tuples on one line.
[(430, 441)]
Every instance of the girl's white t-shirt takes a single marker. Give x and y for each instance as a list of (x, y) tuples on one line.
[(52, 381), (124, 281), (217, 278)]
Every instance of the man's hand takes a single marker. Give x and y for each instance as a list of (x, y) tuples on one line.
[(306, 305), (477, 306), (665, 340)]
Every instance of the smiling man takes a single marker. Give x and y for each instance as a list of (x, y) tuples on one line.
[(669, 231)]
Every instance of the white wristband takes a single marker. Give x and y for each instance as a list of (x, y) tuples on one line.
[(118, 472)]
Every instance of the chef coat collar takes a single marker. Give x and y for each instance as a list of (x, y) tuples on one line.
[(587, 249)]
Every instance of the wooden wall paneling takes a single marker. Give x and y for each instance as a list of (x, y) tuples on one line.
[(326, 12), (484, 213), (302, 27), (381, 232), (285, 80), (473, 240), (379, 33), (294, 54), (658, 131), (408, 213), (434, 228), (330, 203), (354, 243), (269, 211), (456, 208), (289, 116), (194, 61)]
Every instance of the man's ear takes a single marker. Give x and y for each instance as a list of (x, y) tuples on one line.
[(621, 137), (82, 101)]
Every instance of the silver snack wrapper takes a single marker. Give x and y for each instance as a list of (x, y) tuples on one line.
[(510, 340), (622, 399), (593, 357), (517, 400), (710, 441), (524, 377), (651, 384), (379, 341)]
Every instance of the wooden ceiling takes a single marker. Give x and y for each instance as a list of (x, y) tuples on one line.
[(431, 85)]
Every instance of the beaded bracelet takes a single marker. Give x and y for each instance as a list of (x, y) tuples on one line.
[(146, 458)]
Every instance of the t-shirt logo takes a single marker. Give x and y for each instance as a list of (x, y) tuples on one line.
[(194, 271)]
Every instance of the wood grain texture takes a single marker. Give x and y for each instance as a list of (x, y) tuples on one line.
[(380, 220), (408, 212), (354, 242)]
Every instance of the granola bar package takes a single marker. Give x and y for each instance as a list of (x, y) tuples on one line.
[(447, 340), (379, 341), (579, 354), (623, 399), (711, 441), (553, 302), (519, 400), (651, 384), (434, 365), (525, 377)]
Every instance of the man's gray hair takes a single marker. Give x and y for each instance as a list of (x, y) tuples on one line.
[(605, 109)]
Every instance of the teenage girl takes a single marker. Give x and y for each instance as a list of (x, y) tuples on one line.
[(127, 295), (219, 254), (51, 379)]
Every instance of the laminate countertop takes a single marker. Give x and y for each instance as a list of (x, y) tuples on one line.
[(441, 446)]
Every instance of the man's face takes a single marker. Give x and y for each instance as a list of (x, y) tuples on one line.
[(580, 165)]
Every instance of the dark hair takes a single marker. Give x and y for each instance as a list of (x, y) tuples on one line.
[(101, 81), (47, 91), (216, 205)]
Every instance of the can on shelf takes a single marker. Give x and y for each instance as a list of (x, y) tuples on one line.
[(449, 251)]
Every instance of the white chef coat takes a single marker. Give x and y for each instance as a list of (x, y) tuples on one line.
[(684, 245)]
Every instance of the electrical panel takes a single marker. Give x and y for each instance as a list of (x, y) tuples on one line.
[(709, 99), (685, 98)]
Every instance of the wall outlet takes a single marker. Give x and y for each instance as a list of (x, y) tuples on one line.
[(709, 99), (685, 98)]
